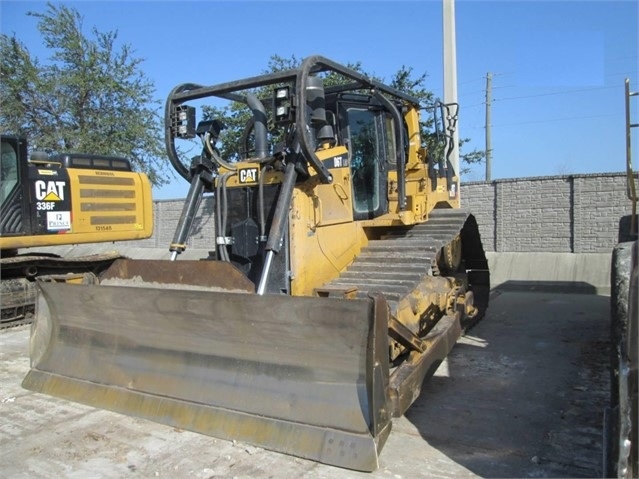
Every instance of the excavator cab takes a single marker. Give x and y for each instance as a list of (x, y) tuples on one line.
[(341, 275)]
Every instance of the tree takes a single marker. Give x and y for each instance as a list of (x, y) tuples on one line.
[(235, 116), (90, 97)]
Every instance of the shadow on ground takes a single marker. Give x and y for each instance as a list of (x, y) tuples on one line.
[(522, 394)]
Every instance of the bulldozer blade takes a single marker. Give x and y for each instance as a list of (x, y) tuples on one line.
[(302, 376)]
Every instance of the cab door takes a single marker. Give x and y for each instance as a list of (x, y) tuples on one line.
[(370, 155), (13, 161)]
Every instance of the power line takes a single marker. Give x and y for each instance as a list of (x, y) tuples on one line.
[(565, 92), (556, 119), (466, 107), (470, 81), (618, 74), (472, 93)]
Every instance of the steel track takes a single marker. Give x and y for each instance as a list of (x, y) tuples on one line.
[(396, 264), (18, 291)]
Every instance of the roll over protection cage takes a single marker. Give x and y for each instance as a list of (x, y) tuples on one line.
[(300, 78)]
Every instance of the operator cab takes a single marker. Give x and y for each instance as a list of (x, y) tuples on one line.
[(367, 130)]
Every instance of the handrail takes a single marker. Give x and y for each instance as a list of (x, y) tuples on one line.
[(631, 186)]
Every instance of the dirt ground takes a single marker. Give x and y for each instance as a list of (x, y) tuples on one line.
[(522, 395)]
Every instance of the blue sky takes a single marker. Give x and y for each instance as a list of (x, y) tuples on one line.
[(558, 66)]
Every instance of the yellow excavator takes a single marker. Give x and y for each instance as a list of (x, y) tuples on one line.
[(343, 272), (61, 200)]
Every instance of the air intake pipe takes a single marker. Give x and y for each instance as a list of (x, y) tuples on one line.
[(259, 125), (317, 114)]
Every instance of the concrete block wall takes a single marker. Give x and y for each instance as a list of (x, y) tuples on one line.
[(598, 206), (479, 198), (166, 214), (550, 214), (561, 214)]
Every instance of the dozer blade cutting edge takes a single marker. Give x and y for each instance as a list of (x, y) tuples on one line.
[(299, 375)]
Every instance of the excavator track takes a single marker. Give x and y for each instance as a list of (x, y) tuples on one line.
[(397, 263), (18, 289)]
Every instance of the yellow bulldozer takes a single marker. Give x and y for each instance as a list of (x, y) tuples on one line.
[(343, 272), (58, 200)]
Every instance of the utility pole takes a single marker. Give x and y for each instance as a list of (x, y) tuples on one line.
[(450, 81), (489, 146)]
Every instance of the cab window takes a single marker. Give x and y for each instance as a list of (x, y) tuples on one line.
[(365, 155), (8, 170), (368, 133)]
